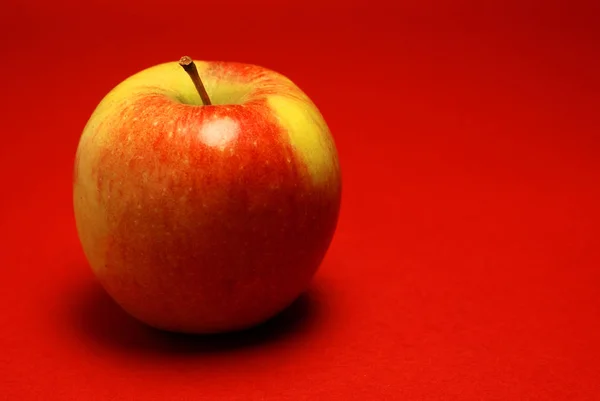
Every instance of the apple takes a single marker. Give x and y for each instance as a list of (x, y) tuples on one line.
[(206, 205)]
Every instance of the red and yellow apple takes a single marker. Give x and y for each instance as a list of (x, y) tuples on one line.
[(206, 218)]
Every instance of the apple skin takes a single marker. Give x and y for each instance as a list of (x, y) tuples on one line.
[(206, 219)]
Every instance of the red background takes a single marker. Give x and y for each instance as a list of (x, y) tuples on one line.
[(465, 265)]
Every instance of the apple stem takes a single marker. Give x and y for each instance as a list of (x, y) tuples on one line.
[(190, 67)]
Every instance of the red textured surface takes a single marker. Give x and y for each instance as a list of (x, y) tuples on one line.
[(465, 265)]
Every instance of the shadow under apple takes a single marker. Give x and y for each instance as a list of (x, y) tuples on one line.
[(102, 321)]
